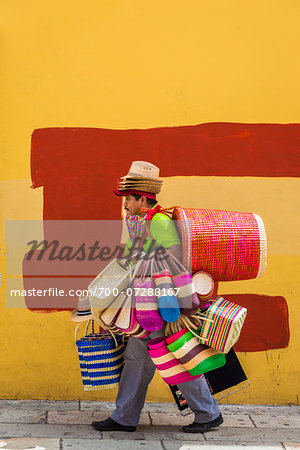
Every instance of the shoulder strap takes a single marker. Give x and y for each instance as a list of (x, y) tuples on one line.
[(158, 209), (149, 216), (169, 211)]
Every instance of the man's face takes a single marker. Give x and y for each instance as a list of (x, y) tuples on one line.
[(133, 206)]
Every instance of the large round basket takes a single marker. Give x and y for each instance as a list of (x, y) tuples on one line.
[(229, 245)]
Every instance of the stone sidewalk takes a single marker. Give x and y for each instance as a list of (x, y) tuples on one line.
[(49, 425)]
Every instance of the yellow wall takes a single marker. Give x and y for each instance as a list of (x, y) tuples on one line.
[(133, 64)]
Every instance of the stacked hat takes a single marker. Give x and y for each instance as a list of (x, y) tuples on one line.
[(83, 310), (142, 177)]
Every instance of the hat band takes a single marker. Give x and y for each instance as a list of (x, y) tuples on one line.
[(84, 313), (133, 191)]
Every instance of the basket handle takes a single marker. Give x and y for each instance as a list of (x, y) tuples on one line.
[(167, 262), (186, 322), (157, 265), (76, 329), (171, 208), (176, 261), (201, 316), (93, 331), (86, 328), (124, 263), (137, 265), (146, 264)]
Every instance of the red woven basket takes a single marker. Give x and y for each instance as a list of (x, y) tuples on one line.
[(229, 245)]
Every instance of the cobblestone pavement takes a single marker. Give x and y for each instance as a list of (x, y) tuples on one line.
[(49, 425)]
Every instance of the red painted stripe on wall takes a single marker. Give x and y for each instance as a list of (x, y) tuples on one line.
[(221, 149), (267, 322), (79, 167)]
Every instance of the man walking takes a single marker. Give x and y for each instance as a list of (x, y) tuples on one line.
[(140, 187)]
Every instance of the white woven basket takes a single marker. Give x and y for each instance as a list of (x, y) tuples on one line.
[(111, 281)]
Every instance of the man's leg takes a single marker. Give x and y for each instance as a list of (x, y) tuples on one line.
[(136, 375), (200, 400), (202, 403), (132, 399)]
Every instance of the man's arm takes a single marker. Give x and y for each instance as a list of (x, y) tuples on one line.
[(176, 250), (164, 233)]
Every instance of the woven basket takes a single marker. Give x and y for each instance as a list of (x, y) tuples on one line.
[(194, 357), (204, 285), (228, 245), (114, 278), (101, 360), (223, 322), (128, 325), (171, 371), (187, 297)]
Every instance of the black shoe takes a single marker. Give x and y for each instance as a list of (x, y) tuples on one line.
[(111, 425), (196, 427)]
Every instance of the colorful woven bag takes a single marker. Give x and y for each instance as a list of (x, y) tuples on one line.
[(124, 322), (167, 302), (229, 245), (171, 371), (101, 359), (119, 315), (136, 227), (188, 299), (223, 322), (195, 357), (161, 274), (145, 301)]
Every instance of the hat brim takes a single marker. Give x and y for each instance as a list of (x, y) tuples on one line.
[(139, 186), (76, 318), (123, 193), (141, 181), (130, 176), (148, 189)]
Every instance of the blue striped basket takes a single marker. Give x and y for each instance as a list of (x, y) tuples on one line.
[(101, 359)]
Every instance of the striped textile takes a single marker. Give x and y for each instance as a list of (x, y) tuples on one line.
[(195, 357), (167, 300), (187, 297), (136, 226), (100, 361), (175, 336), (228, 245), (146, 305), (163, 281), (135, 330), (171, 371), (224, 330)]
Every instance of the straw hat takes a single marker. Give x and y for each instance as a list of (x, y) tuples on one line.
[(142, 176), (143, 169), (83, 310), (140, 187)]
